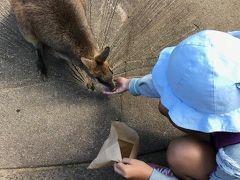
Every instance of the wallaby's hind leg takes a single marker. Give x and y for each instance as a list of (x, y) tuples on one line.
[(25, 27), (28, 36), (40, 63)]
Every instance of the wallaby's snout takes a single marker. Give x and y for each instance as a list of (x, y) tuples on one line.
[(100, 69)]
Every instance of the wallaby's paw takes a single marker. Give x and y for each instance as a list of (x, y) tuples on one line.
[(44, 77), (90, 85), (43, 74), (42, 71)]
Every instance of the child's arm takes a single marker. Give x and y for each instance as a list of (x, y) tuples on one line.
[(136, 86), (158, 176), (143, 86), (136, 169), (235, 34)]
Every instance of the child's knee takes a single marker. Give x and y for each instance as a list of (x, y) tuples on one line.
[(189, 157), (175, 153)]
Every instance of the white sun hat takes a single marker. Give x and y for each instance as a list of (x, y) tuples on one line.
[(199, 82)]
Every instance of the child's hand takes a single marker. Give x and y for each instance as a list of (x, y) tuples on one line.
[(133, 168), (121, 86)]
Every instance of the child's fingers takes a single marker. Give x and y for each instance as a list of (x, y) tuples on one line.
[(118, 168), (130, 161), (108, 92), (116, 91), (117, 79), (120, 165), (127, 161)]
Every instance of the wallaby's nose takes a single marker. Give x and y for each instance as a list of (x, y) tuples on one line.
[(108, 84), (111, 85)]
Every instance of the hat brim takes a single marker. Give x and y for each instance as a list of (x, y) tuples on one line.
[(183, 115)]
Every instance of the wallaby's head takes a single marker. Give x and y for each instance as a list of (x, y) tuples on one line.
[(100, 69)]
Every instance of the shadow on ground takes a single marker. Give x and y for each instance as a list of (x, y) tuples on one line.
[(46, 123)]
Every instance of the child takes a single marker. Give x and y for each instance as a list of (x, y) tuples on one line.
[(198, 83)]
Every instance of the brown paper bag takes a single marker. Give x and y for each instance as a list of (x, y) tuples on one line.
[(122, 142)]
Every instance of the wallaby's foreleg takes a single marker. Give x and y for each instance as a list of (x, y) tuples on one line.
[(40, 63)]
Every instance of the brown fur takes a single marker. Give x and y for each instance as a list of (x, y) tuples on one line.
[(62, 26)]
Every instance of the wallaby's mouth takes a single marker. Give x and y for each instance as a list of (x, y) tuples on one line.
[(82, 76), (109, 85)]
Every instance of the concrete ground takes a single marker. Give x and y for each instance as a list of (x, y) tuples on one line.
[(54, 129)]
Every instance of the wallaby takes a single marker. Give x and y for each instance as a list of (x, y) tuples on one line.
[(62, 27)]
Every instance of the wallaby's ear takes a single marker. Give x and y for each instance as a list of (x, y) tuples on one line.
[(87, 62), (103, 56)]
